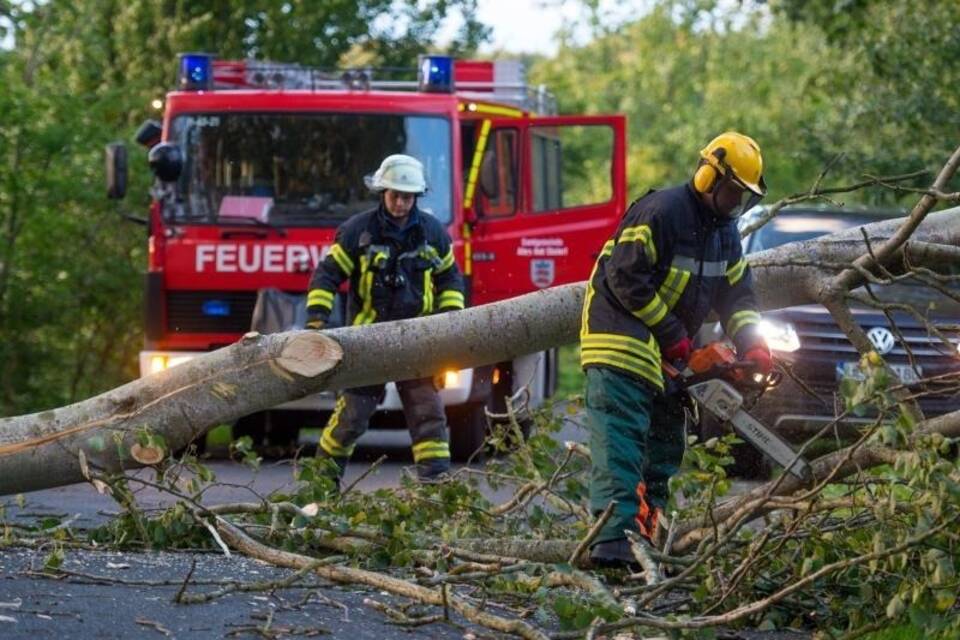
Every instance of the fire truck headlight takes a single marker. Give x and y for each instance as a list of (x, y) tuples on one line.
[(780, 336), (161, 363), (158, 364)]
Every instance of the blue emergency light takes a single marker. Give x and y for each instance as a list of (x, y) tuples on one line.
[(196, 72), (436, 74), (216, 308)]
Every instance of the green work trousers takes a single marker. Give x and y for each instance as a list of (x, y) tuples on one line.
[(636, 442)]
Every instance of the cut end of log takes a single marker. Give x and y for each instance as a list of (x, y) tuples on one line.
[(309, 354), (147, 455)]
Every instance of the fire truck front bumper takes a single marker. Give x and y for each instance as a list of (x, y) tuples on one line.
[(454, 386)]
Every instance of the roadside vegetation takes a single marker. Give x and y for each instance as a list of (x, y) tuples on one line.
[(870, 548)]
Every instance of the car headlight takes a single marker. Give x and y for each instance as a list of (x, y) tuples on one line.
[(780, 336)]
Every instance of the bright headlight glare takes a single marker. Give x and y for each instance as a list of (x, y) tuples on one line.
[(175, 360), (160, 363), (780, 336), (451, 379)]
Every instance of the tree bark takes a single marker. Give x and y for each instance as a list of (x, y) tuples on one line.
[(43, 449)]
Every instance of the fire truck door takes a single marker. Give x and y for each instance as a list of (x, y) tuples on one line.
[(548, 192)]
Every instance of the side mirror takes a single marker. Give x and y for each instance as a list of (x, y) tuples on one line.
[(149, 133), (115, 154), (166, 161)]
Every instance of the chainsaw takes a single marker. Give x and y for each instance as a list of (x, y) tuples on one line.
[(718, 382)]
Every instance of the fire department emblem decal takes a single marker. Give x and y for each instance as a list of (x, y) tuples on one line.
[(542, 272)]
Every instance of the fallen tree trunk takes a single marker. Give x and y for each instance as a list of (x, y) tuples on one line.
[(43, 449), (113, 429)]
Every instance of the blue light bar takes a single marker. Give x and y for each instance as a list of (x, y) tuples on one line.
[(216, 308), (196, 72), (436, 74)]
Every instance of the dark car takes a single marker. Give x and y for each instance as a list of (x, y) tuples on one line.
[(807, 341)]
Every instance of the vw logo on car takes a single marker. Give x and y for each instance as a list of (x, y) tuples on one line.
[(882, 339)]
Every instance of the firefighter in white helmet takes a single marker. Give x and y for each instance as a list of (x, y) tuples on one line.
[(399, 260)]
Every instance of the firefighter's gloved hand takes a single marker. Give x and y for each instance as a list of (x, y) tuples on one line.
[(315, 323), (759, 355), (679, 351)]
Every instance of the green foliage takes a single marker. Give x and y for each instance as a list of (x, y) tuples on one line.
[(687, 70)]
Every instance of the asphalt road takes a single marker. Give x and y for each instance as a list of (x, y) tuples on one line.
[(139, 601), (130, 595)]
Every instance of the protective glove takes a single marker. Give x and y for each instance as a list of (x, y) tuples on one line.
[(679, 350), (760, 356), (315, 323)]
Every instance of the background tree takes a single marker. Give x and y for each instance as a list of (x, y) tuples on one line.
[(874, 83)]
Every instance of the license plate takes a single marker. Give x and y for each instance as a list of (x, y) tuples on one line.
[(906, 373)]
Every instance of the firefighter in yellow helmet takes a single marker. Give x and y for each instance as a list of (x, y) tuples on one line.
[(399, 261), (675, 258)]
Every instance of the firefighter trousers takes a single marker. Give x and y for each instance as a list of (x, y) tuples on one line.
[(636, 442), (424, 415)]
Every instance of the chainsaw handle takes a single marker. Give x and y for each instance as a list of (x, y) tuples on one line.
[(671, 371)]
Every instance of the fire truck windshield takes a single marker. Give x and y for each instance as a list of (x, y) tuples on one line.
[(300, 169)]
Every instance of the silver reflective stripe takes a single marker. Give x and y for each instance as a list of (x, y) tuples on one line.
[(710, 269)]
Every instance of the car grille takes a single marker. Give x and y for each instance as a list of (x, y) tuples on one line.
[(210, 311), (825, 336)]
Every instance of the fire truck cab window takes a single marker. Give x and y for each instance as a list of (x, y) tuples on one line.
[(498, 175), (571, 166), (301, 169)]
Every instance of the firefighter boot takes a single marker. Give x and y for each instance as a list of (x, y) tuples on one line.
[(433, 469), (614, 554), (423, 409)]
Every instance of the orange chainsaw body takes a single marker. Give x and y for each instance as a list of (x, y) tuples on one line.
[(713, 355)]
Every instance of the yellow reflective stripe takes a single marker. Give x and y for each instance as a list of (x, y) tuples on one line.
[(608, 247), (641, 233), (342, 259), (491, 109), (653, 312), (447, 261), (430, 449), (741, 319), (467, 250), (327, 442), (648, 352), (320, 298), (585, 314), (451, 298), (367, 312), (673, 286), (622, 361), (736, 272), (475, 164), (427, 293)]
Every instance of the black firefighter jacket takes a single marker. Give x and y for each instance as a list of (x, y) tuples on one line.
[(394, 273), (669, 264)]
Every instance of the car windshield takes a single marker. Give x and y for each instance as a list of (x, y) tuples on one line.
[(795, 227), (300, 169)]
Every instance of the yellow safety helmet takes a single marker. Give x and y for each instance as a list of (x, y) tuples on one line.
[(732, 156)]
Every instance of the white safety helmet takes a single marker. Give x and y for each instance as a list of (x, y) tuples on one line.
[(400, 173)]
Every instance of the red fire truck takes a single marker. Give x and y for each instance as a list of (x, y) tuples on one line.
[(257, 164)]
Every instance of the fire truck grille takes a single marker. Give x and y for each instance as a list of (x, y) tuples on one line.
[(210, 311)]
